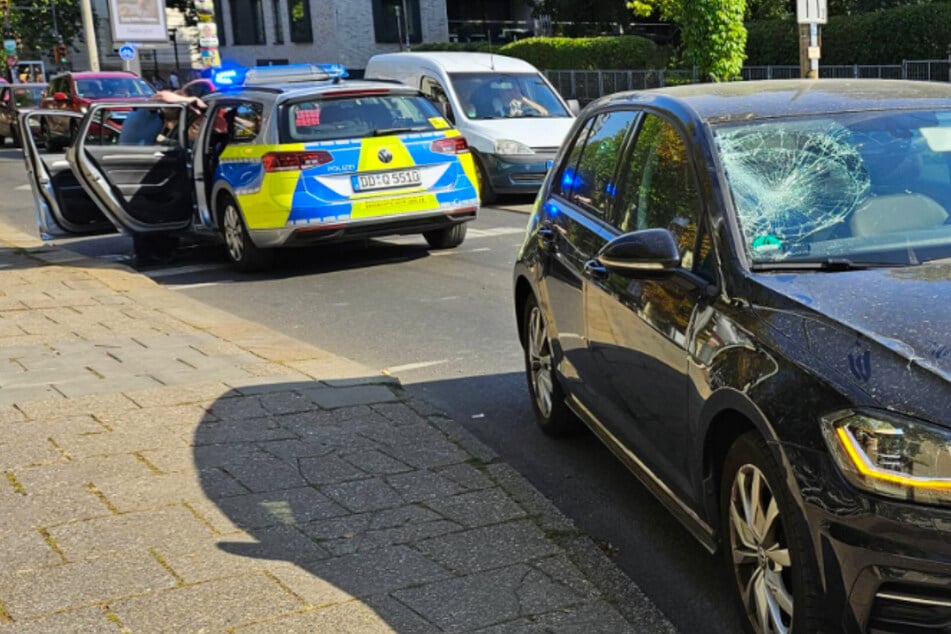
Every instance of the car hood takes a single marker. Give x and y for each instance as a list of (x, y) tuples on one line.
[(883, 330), (532, 131)]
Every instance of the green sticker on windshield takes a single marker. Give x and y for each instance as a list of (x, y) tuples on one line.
[(767, 244)]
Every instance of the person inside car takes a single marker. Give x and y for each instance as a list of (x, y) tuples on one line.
[(145, 126)]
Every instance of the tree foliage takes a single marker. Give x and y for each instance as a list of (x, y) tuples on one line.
[(31, 21), (713, 37)]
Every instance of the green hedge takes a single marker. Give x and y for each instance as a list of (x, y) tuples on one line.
[(564, 53), (920, 31)]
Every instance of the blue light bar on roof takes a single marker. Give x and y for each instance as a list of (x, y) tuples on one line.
[(292, 73)]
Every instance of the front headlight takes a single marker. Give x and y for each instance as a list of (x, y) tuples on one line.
[(891, 455), (507, 146)]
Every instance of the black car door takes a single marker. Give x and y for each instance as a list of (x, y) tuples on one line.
[(572, 229), (638, 324), (141, 185)]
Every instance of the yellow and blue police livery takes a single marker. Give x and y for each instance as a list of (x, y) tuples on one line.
[(282, 156), (296, 163)]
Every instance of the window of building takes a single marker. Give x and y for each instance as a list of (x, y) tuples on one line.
[(302, 32), (220, 22), (247, 22), (278, 22), (391, 25)]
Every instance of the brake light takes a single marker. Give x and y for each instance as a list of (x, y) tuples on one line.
[(286, 161), (450, 145)]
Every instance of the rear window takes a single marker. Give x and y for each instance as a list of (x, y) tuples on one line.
[(113, 87), (355, 117)]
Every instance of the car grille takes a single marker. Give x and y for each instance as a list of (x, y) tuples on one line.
[(545, 150), (528, 178)]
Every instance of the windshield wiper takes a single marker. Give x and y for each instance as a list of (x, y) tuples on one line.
[(389, 131), (825, 264)]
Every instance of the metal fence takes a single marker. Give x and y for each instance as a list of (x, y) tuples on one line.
[(587, 85)]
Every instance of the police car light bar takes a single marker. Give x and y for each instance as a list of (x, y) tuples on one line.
[(293, 73)]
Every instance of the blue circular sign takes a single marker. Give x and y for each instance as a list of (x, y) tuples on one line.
[(127, 52)]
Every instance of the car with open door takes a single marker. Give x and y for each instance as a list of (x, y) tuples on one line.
[(281, 157)]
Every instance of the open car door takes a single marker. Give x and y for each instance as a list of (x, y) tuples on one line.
[(141, 185), (63, 208)]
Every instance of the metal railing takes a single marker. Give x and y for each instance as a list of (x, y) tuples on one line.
[(588, 85)]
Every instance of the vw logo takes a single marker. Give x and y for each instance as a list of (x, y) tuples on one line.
[(385, 155)]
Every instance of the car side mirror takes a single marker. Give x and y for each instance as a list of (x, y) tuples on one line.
[(644, 251), (60, 96), (574, 106)]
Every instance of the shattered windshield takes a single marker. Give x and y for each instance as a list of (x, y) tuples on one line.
[(872, 187)]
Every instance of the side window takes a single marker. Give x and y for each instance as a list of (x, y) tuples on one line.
[(244, 122), (566, 178), (593, 186), (437, 94), (660, 189)]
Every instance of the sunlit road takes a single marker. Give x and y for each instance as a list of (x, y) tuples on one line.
[(443, 322)]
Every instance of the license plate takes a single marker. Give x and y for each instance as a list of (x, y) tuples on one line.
[(384, 180)]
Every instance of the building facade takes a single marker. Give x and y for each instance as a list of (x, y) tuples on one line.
[(347, 32)]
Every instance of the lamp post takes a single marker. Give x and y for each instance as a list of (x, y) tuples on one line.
[(173, 34)]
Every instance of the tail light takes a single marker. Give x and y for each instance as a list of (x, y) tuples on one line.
[(287, 161), (450, 145)]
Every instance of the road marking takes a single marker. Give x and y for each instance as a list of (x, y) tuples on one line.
[(184, 270), (479, 250), (22, 188), (413, 366), (185, 287), (493, 232)]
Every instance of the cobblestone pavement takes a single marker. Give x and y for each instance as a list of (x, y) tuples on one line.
[(169, 467)]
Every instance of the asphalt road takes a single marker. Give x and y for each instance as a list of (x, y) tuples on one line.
[(443, 323)]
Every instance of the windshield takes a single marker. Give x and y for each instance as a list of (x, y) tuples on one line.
[(113, 87), (506, 96), (872, 187), (26, 97), (356, 117)]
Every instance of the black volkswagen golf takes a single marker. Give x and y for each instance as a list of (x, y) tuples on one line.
[(744, 291)]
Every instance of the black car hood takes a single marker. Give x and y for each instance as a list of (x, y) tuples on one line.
[(886, 331)]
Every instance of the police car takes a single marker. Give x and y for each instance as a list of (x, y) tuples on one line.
[(283, 156)]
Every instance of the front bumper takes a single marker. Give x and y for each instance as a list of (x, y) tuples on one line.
[(517, 174), (886, 564)]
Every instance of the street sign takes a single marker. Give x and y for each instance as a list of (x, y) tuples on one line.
[(811, 12), (127, 52), (12, 61)]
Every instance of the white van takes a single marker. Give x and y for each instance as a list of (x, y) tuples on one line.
[(512, 117)]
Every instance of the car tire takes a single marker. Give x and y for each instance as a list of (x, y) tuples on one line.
[(245, 256), (487, 195), (447, 238), (767, 549), (548, 398)]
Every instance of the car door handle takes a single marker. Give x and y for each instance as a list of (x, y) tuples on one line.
[(594, 269)]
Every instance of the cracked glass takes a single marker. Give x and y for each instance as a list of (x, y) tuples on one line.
[(869, 187)]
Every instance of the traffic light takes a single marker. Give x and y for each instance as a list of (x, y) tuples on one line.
[(60, 54)]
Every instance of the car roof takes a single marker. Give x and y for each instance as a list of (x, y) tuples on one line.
[(293, 90), (462, 62), (743, 100), (98, 74)]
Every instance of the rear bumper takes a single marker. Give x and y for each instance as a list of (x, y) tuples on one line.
[(402, 224)]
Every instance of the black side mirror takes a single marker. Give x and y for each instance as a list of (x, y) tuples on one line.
[(644, 251)]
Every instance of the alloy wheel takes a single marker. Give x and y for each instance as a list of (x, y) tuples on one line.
[(234, 232), (760, 554), (539, 359)]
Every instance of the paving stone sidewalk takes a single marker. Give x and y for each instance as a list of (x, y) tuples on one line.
[(169, 467)]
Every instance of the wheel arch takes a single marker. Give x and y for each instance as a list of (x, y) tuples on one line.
[(523, 290)]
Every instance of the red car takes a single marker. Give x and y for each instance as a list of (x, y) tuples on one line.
[(74, 91)]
